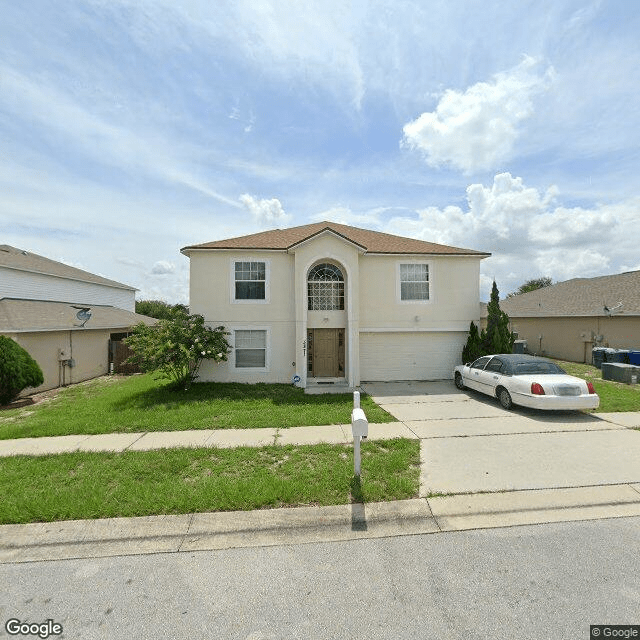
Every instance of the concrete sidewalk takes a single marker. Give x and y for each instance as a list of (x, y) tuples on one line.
[(222, 438), (438, 427), (210, 531)]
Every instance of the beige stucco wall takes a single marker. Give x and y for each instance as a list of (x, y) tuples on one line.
[(89, 349), (453, 294), (211, 287), (562, 337)]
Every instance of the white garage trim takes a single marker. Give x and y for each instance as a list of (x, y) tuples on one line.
[(410, 355)]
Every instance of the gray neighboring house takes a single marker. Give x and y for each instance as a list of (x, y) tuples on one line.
[(64, 317), (568, 319)]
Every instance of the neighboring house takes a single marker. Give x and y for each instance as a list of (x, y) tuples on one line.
[(32, 277), (63, 316), (330, 303), (568, 319)]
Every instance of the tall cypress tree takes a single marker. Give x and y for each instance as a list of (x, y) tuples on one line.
[(496, 338)]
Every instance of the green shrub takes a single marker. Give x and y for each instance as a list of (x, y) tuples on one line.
[(473, 349), (176, 347), (18, 370)]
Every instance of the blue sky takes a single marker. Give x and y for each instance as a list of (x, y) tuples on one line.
[(131, 128)]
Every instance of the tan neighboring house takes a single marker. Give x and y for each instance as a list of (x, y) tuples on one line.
[(63, 316), (327, 303), (568, 319)]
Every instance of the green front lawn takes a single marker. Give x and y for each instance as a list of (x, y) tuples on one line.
[(142, 403), (614, 396), (79, 485)]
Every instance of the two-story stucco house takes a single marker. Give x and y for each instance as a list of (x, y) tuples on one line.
[(328, 303)]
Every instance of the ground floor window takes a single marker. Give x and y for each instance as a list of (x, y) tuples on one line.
[(251, 348)]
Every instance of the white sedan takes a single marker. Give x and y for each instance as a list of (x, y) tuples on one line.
[(526, 380)]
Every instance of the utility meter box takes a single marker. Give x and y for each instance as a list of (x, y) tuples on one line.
[(359, 423), (63, 354)]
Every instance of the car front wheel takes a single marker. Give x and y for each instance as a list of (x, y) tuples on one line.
[(505, 398), (459, 381)]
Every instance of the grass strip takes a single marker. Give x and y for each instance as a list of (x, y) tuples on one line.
[(80, 485), (142, 403)]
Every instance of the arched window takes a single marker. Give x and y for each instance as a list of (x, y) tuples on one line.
[(325, 288)]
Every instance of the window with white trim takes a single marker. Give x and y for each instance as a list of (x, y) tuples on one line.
[(325, 288), (414, 281), (250, 280), (250, 348)]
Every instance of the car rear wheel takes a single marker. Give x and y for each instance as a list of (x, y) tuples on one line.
[(459, 381), (505, 398)]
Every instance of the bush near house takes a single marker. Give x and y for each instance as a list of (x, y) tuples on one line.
[(176, 347), (18, 370)]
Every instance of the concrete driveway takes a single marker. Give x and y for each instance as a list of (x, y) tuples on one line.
[(470, 444)]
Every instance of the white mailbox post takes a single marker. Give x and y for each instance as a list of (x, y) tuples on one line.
[(359, 429)]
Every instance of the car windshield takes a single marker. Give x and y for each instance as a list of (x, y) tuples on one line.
[(538, 368)]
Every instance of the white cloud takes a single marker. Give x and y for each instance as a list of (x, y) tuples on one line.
[(162, 267), (476, 130), (265, 212), (530, 234)]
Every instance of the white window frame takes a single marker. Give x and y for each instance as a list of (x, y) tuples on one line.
[(332, 282), (267, 280), (429, 265), (267, 355)]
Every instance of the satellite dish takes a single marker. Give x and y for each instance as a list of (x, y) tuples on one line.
[(84, 314), (610, 310)]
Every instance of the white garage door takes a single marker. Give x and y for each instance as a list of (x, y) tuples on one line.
[(410, 356)]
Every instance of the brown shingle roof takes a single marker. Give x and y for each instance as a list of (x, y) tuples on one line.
[(17, 315), (370, 241), (13, 258), (579, 297)]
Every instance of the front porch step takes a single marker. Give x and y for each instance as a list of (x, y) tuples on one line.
[(328, 385)]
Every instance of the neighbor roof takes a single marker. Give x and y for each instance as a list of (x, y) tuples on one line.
[(13, 258), (18, 316), (579, 297), (370, 241)]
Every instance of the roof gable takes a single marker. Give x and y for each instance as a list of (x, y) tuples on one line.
[(370, 241), (20, 260)]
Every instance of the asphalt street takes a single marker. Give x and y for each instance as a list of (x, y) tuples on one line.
[(540, 582)]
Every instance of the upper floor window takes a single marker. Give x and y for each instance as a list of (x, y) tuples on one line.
[(325, 288), (414, 281), (250, 280)]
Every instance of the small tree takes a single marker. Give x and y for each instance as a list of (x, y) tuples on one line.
[(176, 347), (159, 309), (497, 337), (532, 285), (473, 348), (18, 370)]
